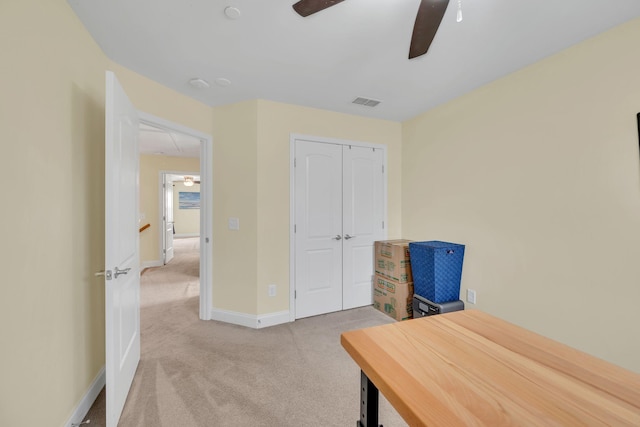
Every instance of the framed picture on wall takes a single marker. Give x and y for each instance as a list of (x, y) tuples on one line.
[(188, 200)]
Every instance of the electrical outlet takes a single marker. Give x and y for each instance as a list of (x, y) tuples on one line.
[(272, 290), (471, 296)]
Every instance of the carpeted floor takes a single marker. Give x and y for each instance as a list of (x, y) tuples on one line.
[(207, 373)]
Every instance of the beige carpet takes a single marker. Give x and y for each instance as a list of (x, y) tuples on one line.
[(207, 373)]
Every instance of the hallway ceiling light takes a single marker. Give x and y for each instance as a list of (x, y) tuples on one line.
[(188, 181)]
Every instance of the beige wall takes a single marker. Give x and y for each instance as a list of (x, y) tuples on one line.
[(538, 174), (186, 221), (150, 168), (276, 122), (52, 120), (235, 195)]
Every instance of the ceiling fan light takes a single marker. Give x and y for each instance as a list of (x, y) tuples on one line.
[(459, 14), (188, 181)]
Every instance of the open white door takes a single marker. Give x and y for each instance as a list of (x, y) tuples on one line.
[(167, 216), (122, 260)]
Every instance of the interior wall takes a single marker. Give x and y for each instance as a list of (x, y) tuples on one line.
[(52, 120), (235, 194), (186, 221), (150, 168), (538, 174), (276, 122)]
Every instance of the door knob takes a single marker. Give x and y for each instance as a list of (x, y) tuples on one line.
[(118, 272), (338, 237), (347, 237)]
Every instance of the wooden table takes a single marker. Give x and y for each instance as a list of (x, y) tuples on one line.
[(468, 368)]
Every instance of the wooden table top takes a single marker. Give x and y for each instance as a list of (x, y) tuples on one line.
[(468, 368)]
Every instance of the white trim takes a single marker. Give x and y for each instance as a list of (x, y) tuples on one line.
[(250, 320), (87, 400), (292, 242), (151, 264), (182, 236), (234, 317), (206, 208), (292, 235), (272, 319)]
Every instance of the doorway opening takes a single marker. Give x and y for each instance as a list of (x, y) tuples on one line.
[(175, 199)]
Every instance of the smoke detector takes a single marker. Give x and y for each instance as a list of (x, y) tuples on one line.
[(199, 83)]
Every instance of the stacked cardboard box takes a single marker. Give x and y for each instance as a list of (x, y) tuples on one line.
[(393, 285)]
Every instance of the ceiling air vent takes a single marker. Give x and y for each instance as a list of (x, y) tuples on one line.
[(366, 102)]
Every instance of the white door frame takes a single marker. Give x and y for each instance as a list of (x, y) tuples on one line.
[(164, 213), (206, 206), (292, 243), (161, 196)]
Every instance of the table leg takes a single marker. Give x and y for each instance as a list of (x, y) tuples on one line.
[(368, 402)]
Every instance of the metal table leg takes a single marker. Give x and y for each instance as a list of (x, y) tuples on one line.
[(368, 403)]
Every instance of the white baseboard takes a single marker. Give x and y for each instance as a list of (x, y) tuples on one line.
[(272, 319), (150, 264), (250, 320), (87, 400), (178, 236)]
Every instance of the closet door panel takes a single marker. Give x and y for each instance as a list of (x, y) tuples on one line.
[(318, 219), (363, 215)]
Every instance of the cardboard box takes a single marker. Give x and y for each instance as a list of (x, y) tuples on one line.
[(392, 260), (392, 298)]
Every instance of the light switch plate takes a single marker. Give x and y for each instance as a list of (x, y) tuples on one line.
[(234, 224)]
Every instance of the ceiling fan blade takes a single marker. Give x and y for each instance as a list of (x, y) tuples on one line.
[(428, 20), (309, 7)]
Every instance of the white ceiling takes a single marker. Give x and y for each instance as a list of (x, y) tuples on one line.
[(154, 140), (357, 48)]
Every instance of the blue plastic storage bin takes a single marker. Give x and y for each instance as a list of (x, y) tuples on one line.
[(437, 270)]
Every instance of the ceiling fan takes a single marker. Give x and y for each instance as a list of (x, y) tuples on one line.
[(430, 13)]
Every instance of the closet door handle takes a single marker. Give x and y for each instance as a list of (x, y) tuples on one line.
[(338, 237), (347, 237)]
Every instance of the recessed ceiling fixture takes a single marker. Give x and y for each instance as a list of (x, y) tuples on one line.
[(199, 83), (232, 12), (365, 101), (221, 81), (188, 181)]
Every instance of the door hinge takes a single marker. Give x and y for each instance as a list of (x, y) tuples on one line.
[(164, 251), (383, 225), (295, 163), (382, 168), (295, 228), (295, 294)]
